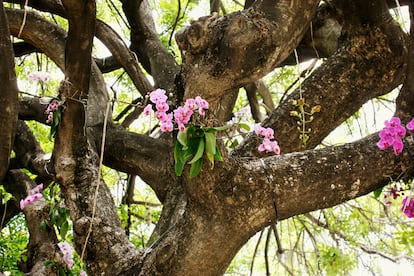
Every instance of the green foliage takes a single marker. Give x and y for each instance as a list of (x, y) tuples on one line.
[(59, 217), (193, 143), (4, 195), (335, 261), (405, 236), (13, 241)]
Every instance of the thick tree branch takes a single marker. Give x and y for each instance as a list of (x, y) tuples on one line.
[(124, 56), (145, 43), (76, 162), (39, 32), (321, 40), (30, 155), (341, 85), (8, 93), (141, 155), (227, 52), (23, 48)]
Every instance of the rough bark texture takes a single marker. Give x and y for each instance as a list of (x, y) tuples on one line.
[(238, 48), (76, 160), (8, 94), (206, 220)]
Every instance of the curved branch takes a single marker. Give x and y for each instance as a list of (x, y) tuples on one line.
[(124, 56), (341, 85), (24, 48), (40, 32), (145, 43), (140, 155), (29, 154)]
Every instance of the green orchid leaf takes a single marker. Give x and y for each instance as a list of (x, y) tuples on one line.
[(210, 147), (182, 137), (215, 129), (179, 160), (378, 192), (64, 229), (244, 126), (218, 156), (180, 157), (196, 168), (200, 151)]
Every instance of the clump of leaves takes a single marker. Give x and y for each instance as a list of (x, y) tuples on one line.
[(192, 145)]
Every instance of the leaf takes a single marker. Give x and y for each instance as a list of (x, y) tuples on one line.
[(215, 129), (196, 168), (200, 151), (178, 157), (57, 117), (64, 229), (210, 147), (218, 156), (234, 144), (244, 126), (378, 192), (181, 157), (182, 138)]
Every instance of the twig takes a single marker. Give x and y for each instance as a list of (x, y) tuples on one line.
[(24, 18)]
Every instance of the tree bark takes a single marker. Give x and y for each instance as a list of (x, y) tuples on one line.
[(8, 94), (206, 220)]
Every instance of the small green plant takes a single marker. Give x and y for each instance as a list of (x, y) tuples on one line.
[(192, 145), (304, 117)]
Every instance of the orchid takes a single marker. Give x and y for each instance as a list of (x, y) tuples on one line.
[(410, 125), (39, 76), (267, 145), (391, 135), (67, 251), (32, 197), (181, 115), (147, 110)]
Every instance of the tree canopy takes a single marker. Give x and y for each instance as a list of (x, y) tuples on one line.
[(212, 130)]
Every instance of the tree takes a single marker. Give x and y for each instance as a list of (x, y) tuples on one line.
[(205, 219)]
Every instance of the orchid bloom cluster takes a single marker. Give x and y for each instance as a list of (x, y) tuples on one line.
[(182, 114), (392, 135), (267, 145), (35, 194), (67, 251), (39, 76), (53, 105)]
